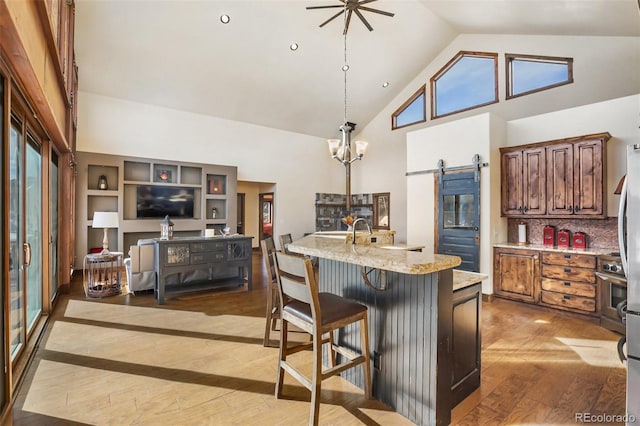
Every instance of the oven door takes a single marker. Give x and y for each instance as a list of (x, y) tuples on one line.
[(613, 290)]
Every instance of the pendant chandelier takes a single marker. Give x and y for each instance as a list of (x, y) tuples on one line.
[(340, 149)]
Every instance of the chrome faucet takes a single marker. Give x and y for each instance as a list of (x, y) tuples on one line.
[(354, 228)]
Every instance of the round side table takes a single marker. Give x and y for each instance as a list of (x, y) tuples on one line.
[(103, 274)]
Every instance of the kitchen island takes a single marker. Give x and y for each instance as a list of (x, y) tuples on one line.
[(409, 295)]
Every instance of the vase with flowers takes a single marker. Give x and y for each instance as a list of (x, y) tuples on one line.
[(348, 220)]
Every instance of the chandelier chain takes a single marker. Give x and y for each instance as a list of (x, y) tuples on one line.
[(345, 67)]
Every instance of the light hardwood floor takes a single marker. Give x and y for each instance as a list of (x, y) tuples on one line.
[(199, 359)]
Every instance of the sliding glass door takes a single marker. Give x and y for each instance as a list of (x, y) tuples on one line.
[(34, 240), (25, 227)]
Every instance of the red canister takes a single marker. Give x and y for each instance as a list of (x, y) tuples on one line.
[(564, 238), (549, 235), (580, 240)]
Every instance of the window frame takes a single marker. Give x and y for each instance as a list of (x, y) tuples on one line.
[(394, 116), (508, 59), (442, 71)]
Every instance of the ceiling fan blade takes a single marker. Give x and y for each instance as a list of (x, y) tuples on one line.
[(347, 22), (332, 18), (361, 2), (325, 7), (381, 12), (364, 21)]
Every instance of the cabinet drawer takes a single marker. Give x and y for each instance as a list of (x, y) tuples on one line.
[(569, 301), (208, 246), (569, 287), (207, 257), (567, 273), (568, 259)]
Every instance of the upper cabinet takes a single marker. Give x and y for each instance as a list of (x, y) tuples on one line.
[(562, 178), (523, 182)]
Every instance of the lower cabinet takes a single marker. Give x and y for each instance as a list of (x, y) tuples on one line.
[(516, 274), (466, 342), (559, 280), (569, 282)]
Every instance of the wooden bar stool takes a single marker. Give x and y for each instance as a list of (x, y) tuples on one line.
[(273, 303), (318, 314), (285, 240)]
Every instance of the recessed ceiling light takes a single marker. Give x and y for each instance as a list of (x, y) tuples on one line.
[(225, 19), (385, 84), (294, 46)]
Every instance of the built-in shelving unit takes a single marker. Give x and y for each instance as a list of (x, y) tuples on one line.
[(213, 187), (331, 208)]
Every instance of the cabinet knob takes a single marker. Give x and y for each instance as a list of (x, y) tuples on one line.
[(566, 297), (570, 209), (567, 270), (567, 283), (576, 209)]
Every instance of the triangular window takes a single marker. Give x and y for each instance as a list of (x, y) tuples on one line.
[(411, 112)]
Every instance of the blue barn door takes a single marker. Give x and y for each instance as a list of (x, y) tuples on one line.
[(459, 217)]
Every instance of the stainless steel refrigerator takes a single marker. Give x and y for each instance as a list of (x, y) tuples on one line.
[(629, 238)]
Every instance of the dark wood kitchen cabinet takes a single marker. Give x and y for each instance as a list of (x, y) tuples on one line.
[(516, 274), (564, 178), (575, 178), (523, 182)]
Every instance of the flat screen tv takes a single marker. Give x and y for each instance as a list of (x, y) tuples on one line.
[(159, 201)]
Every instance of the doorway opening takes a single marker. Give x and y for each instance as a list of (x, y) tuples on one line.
[(241, 216), (266, 215)]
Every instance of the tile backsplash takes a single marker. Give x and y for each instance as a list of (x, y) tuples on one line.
[(601, 233)]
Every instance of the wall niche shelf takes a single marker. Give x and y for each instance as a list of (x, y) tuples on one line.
[(212, 186)]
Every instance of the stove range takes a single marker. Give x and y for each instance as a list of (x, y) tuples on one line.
[(612, 285)]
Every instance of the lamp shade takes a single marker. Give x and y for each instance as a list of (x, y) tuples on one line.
[(334, 146), (361, 148), (105, 220)]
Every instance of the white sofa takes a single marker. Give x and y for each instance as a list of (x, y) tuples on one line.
[(141, 274)]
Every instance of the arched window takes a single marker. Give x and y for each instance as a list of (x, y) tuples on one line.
[(412, 111), (529, 74), (469, 80)]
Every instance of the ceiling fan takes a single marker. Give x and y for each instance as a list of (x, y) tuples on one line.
[(352, 6)]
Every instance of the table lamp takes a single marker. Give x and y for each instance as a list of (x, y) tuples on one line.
[(105, 220)]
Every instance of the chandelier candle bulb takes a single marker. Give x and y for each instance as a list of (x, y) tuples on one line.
[(522, 233)]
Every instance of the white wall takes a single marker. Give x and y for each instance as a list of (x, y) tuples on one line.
[(299, 165)]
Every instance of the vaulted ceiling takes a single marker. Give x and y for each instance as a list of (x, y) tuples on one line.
[(178, 54)]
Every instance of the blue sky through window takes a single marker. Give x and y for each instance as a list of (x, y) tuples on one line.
[(413, 113), (470, 82), (527, 75)]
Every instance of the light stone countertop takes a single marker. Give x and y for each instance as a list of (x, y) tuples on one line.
[(462, 279), (403, 261), (540, 247)]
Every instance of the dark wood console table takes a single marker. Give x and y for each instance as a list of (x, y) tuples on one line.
[(211, 262)]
